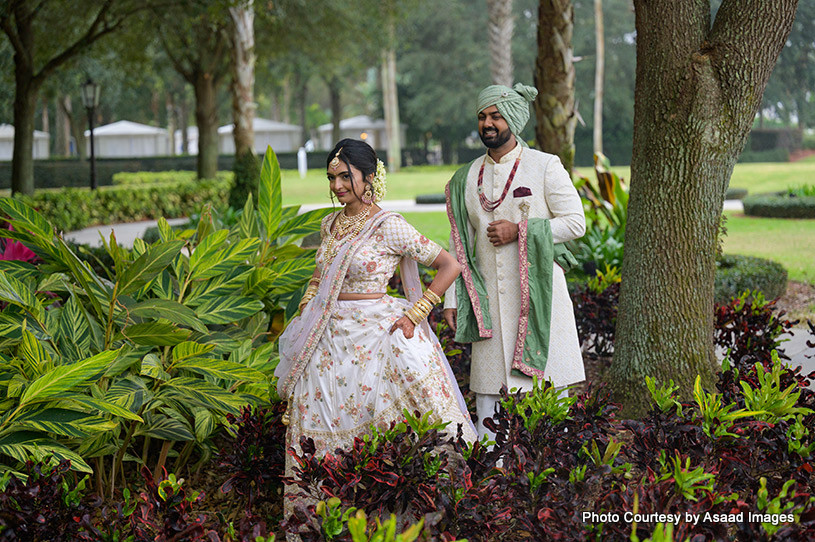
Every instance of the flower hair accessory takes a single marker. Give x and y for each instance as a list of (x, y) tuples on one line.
[(378, 183)]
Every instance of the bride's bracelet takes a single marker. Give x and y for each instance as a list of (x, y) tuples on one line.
[(422, 307), (311, 291)]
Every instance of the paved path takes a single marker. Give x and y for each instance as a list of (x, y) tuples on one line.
[(126, 233)]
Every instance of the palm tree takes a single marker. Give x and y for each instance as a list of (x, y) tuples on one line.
[(500, 28)]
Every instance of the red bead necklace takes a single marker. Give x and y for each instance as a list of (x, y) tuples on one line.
[(488, 205)]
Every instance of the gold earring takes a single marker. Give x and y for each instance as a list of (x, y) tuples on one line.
[(367, 196)]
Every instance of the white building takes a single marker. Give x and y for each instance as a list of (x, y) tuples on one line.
[(361, 127), (40, 148), (124, 139), (280, 136)]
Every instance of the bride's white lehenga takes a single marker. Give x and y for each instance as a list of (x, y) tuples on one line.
[(357, 373)]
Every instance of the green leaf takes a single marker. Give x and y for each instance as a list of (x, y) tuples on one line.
[(165, 428), (206, 249), (270, 197), (25, 445), (130, 393), (291, 274), (225, 259), (100, 404), (74, 333), (204, 424), (169, 309), (24, 217), (225, 310), (215, 368), (16, 292), (65, 377), (190, 349), (153, 334), (165, 231), (151, 366), (259, 282), (86, 277), (247, 223), (194, 391), (304, 224), (67, 423), (35, 358), (148, 266)]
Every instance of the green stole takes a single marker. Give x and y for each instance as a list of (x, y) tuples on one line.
[(536, 255)]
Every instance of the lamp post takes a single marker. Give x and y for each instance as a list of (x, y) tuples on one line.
[(90, 99)]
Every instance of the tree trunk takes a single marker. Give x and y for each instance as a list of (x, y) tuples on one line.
[(554, 78), (301, 86), (206, 117), (183, 115), (62, 136), (599, 74), (336, 107), (169, 104), (697, 92), (391, 106), (25, 106), (243, 77), (500, 28)]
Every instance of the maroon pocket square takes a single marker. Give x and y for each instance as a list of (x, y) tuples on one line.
[(521, 192)]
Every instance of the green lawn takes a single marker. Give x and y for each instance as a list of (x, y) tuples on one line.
[(788, 242), (410, 182), (756, 178)]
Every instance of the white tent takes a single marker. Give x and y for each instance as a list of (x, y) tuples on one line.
[(192, 140), (128, 139), (361, 127), (280, 136), (41, 143)]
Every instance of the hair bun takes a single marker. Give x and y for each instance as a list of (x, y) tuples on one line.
[(529, 93)]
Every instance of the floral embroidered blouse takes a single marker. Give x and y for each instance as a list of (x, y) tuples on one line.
[(375, 261)]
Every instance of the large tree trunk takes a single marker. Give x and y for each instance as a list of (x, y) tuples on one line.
[(25, 106), (554, 78), (697, 92), (206, 117), (500, 28), (599, 74), (301, 88), (243, 77)]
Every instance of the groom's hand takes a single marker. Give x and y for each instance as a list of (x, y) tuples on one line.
[(502, 232), (450, 316)]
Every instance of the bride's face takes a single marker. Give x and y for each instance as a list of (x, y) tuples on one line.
[(340, 183)]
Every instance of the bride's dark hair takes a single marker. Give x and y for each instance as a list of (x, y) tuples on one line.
[(354, 152)]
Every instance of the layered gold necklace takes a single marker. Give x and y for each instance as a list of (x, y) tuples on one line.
[(346, 229)]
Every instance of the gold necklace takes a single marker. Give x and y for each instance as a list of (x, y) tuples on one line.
[(346, 228)]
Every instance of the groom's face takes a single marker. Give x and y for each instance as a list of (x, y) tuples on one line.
[(493, 128)]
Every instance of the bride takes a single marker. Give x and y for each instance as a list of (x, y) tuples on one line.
[(355, 356)]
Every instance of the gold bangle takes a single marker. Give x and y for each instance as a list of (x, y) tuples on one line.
[(432, 296)]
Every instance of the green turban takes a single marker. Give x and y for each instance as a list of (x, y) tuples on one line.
[(512, 103)]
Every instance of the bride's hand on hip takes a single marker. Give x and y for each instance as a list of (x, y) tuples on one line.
[(405, 325)]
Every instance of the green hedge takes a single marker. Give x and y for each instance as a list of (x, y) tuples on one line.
[(735, 193), (72, 209), (736, 274), (774, 155), (151, 177), (779, 205), (424, 199)]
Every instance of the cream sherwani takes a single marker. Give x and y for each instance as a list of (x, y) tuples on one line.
[(553, 196)]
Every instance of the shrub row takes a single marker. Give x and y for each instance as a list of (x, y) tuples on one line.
[(781, 205), (73, 209), (151, 177), (737, 273), (774, 155)]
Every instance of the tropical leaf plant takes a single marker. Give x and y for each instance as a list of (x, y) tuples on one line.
[(115, 368)]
